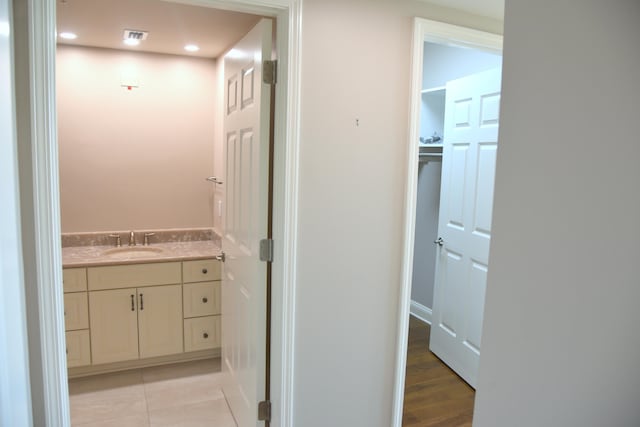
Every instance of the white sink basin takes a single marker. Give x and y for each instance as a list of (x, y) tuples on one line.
[(132, 252)]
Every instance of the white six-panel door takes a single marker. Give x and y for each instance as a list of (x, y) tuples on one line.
[(468, 169), (246, 132)]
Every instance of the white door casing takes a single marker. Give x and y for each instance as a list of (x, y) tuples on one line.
[(48, 315), (441, 33), (466, 199), (246, 148)]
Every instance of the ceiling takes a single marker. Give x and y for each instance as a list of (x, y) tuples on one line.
[(101, 23), (489, 8), (171, 26)]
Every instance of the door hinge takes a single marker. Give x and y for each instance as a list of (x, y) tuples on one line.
[(266, 250), (269, 72), (264, 410)]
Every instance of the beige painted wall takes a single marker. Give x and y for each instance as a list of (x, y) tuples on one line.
[(134, 159)]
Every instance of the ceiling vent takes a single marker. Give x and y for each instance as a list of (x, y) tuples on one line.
[(135, 35)]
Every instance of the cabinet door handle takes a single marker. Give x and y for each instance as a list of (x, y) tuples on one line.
[(133, 303), (204, 299), (141, 303), (205, 335), (204, 271)]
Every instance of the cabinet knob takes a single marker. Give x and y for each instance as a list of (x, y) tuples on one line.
[(204, 271), (205, 335), (205, 299)]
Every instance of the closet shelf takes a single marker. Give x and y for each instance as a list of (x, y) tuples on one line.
[(434, 90), (430, 148)]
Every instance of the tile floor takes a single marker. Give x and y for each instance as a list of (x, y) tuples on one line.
[(185, 395)]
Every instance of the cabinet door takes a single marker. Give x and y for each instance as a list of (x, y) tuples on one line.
[(74, 279), (114, 325), (76, 315), (78, 348), (160, 320)]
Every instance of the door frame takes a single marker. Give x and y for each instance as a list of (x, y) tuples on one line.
[(424, 30), (45, 320)]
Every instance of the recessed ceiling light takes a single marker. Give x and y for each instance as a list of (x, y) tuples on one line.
[(191, 48), (68, 36), (131, 42)]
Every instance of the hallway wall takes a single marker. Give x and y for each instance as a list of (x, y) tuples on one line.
[(356, 64), (561, 343)]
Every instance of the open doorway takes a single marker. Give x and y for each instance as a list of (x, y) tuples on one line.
[(45, 317), (140, 91), (455, 109)]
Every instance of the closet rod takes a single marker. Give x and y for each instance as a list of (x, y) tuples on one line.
[(429, 157)]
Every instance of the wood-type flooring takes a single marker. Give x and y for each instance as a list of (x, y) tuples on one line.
[(434, 395)]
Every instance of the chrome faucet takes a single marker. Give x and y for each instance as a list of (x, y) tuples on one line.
[(132, 239), (146, 238), (117, 237)]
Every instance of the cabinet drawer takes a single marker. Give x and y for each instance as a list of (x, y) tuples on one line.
[(74, 279), (201, 333), (126, 276), (78, 348), (201, 270), (201, 299), (76, 311)]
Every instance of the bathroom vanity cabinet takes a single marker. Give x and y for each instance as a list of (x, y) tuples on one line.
[(120, 316)]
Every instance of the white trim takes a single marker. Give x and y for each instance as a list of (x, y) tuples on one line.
[(420, 311), (285, 215), (44, 150), (42, 76), (437, 32), (447, 34), (409, 226), (271, 8)]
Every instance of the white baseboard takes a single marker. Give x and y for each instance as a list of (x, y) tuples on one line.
[(421, 312)]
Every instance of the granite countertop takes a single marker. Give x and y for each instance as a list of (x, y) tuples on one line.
[(88, 256)]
